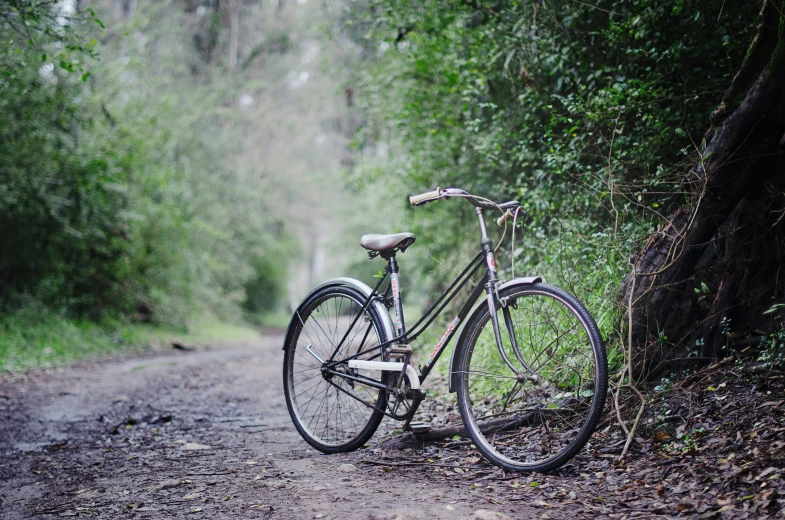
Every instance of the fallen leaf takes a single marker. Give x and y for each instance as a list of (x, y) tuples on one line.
[(661, 436), (196, 446), (765, 495)]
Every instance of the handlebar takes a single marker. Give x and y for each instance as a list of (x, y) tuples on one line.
[(424, 198), (443, 193)]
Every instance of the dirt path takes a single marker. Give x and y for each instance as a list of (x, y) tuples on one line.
[(116, 439), (206, 434)]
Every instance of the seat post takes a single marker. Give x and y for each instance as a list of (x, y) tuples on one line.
[(400, 327)]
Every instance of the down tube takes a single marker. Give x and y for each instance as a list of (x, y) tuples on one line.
[(450, 332)]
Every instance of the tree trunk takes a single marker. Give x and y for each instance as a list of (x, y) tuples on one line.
[(234, 32), (711, 271)]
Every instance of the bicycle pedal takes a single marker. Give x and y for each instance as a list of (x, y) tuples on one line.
[(419, 427)]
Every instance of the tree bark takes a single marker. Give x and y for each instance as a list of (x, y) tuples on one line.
[(715, 266)]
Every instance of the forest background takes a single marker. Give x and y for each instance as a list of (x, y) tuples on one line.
[(169, 165)]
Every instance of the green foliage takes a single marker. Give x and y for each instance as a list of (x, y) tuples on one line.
[(772, 350), (586, 112), (58, 202), (264, 290), (119, 196)]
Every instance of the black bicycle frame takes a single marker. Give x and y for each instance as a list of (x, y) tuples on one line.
[(422, 324), (488, 284)]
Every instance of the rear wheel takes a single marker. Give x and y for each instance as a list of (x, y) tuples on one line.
[(535, 418), (333, 412)]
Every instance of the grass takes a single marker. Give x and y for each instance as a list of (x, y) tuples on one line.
[(40, 339), (48, 340)]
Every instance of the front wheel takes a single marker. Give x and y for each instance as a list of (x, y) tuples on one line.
[(537, 409)]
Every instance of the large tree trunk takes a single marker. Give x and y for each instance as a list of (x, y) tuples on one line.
[(712, 270)]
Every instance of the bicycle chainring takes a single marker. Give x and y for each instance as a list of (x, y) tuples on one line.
[(400, 400)]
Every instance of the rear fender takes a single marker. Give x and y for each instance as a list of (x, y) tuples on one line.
[(480, 307), (362, 287)]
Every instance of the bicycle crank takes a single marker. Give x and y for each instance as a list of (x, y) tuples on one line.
[(402, 399)]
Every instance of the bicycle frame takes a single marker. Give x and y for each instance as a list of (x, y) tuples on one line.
[(488, 283)]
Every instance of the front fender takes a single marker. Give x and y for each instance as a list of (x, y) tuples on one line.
[(477, 309), (343, 282)]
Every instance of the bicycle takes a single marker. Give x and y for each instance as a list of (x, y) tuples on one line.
[(529, 366)]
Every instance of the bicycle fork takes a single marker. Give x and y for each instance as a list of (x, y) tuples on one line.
[(492, 296)]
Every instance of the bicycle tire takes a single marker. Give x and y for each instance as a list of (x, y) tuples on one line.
[(517, 423), (341, 420)]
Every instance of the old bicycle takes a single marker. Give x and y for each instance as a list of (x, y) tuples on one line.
[(529, 366)]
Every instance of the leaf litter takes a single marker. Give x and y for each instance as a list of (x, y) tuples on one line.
[(711, 447)]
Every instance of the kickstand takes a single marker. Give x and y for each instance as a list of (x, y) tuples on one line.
[(408, 425)]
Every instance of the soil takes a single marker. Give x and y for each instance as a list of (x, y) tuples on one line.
[(206, 434)]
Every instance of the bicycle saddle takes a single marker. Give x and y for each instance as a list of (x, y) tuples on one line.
[(382, 243)]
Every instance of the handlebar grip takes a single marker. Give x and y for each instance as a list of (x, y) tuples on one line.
[(505, 218), (422, 198)]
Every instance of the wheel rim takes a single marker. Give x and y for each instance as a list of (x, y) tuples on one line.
[(330, 409), (519, 420)]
